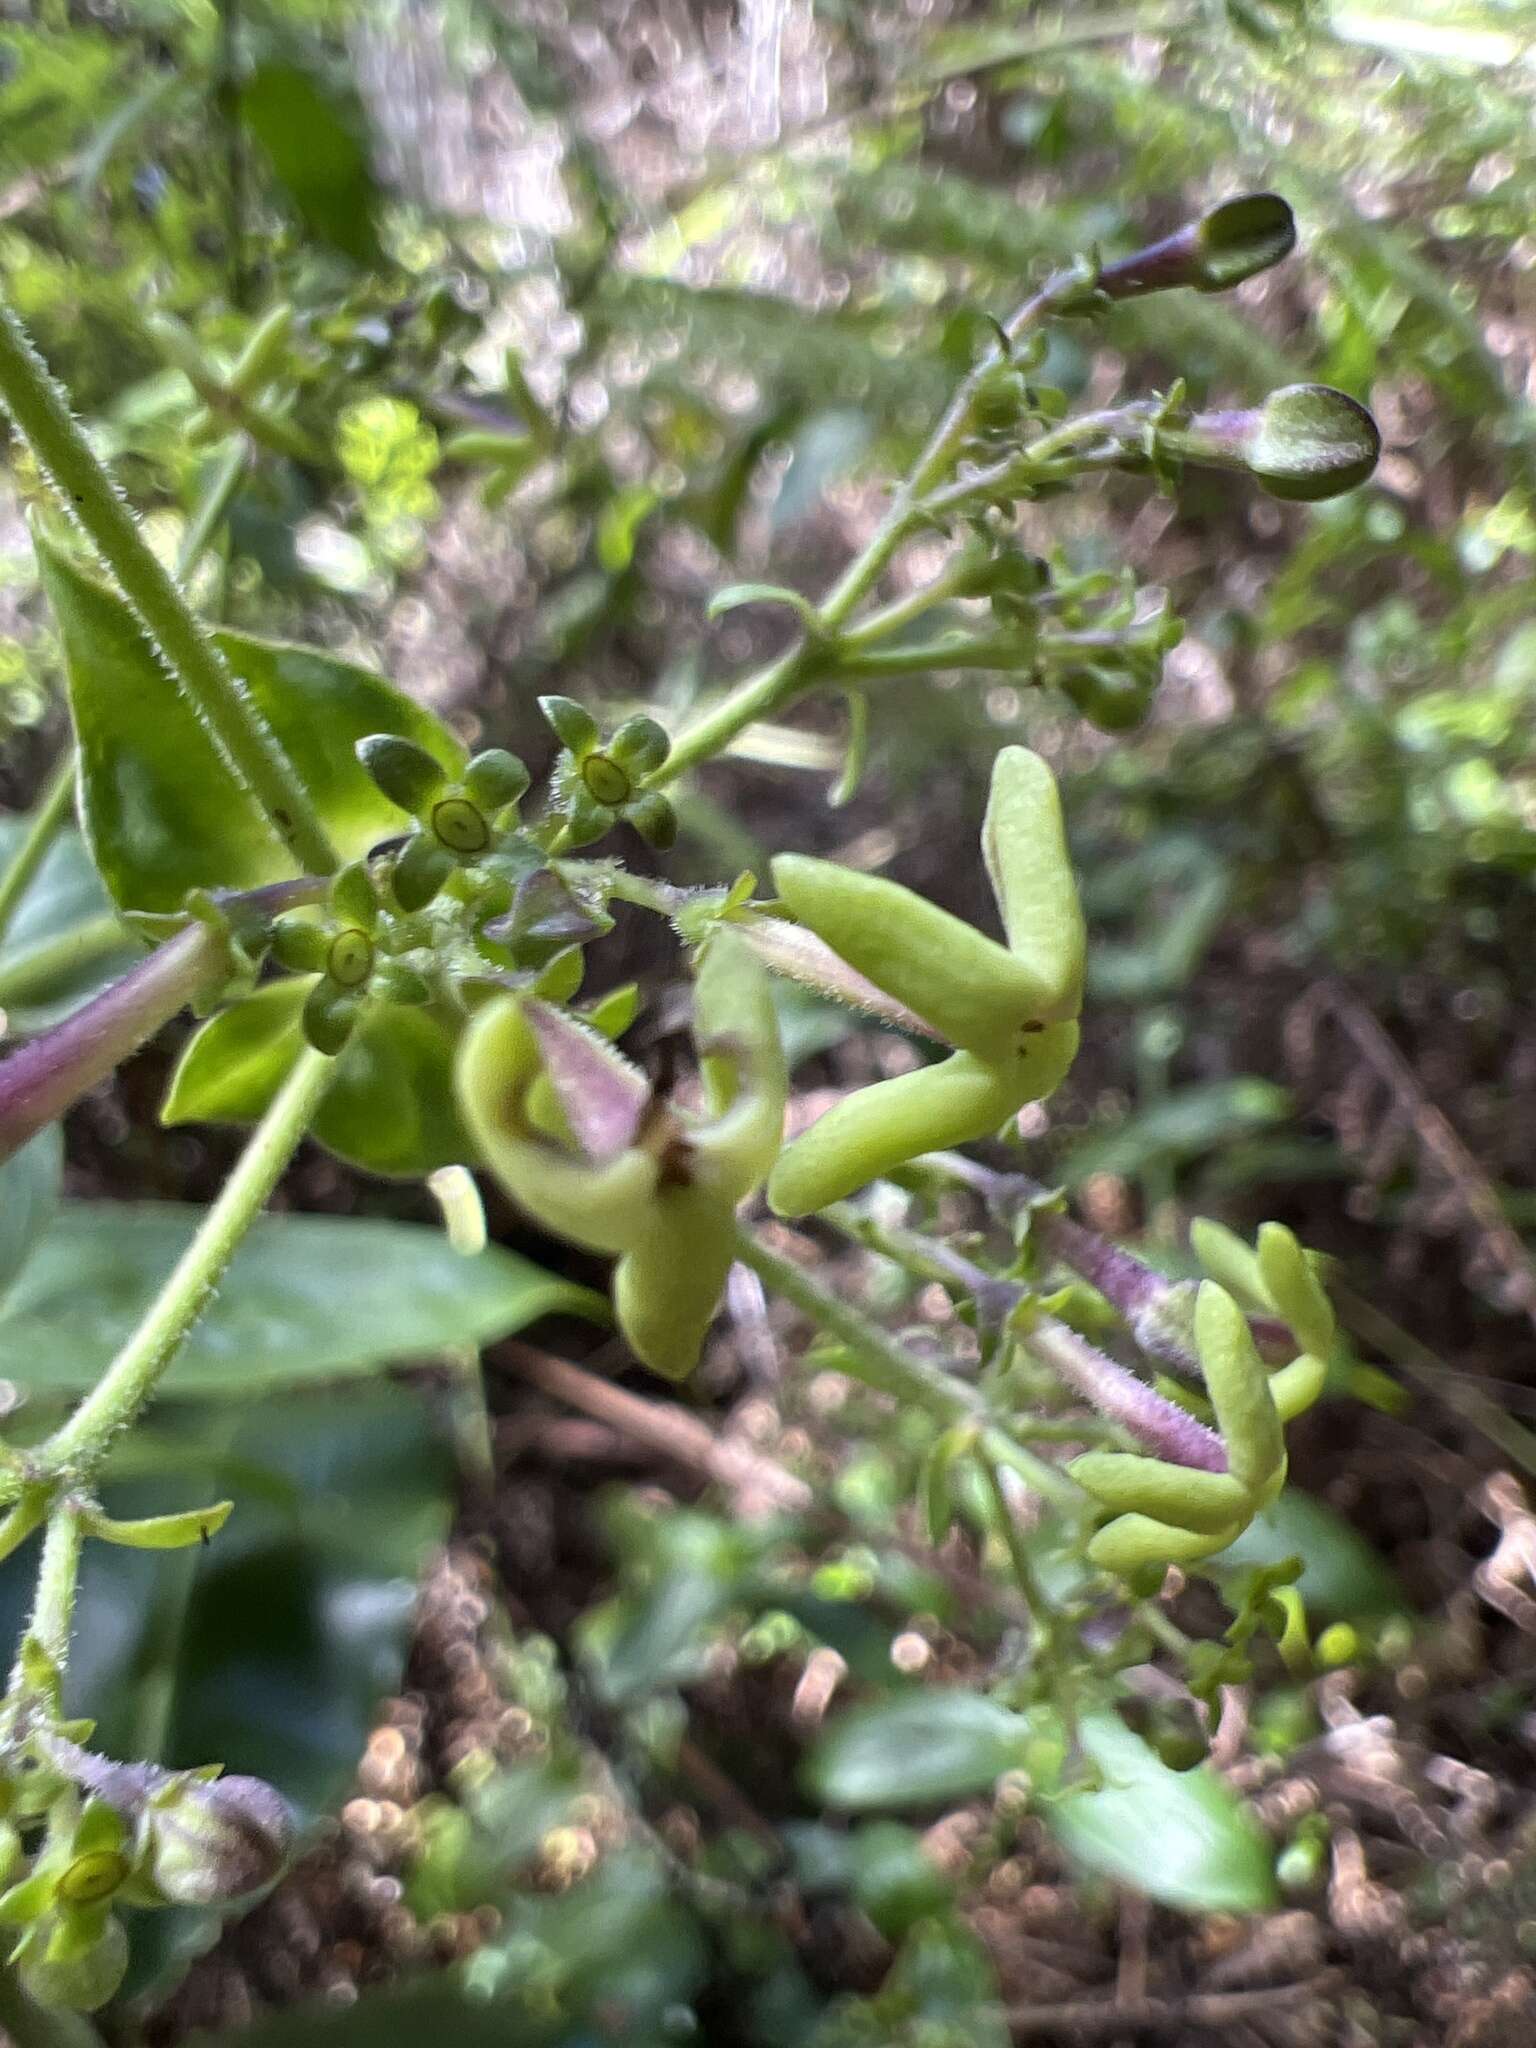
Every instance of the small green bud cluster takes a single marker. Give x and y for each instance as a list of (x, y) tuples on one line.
[(597, 783), (461, 821), (82, 1837), (343, 949)]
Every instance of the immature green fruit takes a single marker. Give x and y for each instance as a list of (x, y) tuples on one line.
[(870, 1133), (329, 1016), (1024, 844), (1131, 1543)]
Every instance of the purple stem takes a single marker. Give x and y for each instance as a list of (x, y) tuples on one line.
[(1159, 1425), (41, 1079)]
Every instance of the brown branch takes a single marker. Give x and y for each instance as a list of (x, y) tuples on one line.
[(1098, 2019)]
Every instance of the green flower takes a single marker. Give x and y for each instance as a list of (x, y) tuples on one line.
[(71, 1949), (598, 784)]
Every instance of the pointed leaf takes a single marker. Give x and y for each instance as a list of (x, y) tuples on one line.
[(307, 1299)]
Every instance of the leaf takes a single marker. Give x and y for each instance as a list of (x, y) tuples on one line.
[(64, 942), (390, 1107), (29, 1193), (1181, 1127), (1183, 1838), (917, 1750), (1343, 1577), (314, 133), (163, 812), (734, 595), (307, 1299)]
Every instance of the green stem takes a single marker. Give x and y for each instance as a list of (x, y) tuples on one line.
[(79, 1445), (880, 1361), (42, 830), (1041, 1618), (1009, 651), (37, 405), (58, 1573), (761, 695), (223, 482)]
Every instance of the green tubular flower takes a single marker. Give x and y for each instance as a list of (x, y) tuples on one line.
[(71, 1950), (1165, 1513), (1009, 1010), (573, 1131)]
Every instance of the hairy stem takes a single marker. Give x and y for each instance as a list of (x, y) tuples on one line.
[(58, 1573), (78, 1446), (761, 695), (37, 405)]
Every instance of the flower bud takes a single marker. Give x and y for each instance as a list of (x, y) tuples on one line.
[(420, 871), (329, 1015), (1230, 242), (495, 779), (1305, 442), (204, 1844), (407, 774)]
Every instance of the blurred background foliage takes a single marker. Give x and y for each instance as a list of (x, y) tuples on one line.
[(599, 307)]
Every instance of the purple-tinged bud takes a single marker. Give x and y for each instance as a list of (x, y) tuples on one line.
[(206, 1843), (1305, 442), (1226, 245)]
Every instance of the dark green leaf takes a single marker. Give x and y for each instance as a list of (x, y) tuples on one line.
[(307, 1299), (917, 1750), (163, 812), (1343, 1578), (312, 128), (1181, 1127), (1183, 1838)]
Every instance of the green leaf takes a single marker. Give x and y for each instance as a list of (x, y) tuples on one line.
[(163, 812), (64, 942), (917, 1750), (312, 127), (29, 1193), (1183, 1838), (1181, 1127), (390, 1107), (735, 595), (307, 1299), (1342, 1579)]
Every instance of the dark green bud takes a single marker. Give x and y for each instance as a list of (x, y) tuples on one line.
[(329, 1015), (397, 983), (460, 826), (640, 745), (350, 959), (574, 726), (353, 899), (1231, 242), (495, 779), (420, 871), (1108, 698), (654, 819), (204, 1844), (299, 947), (407, 774)]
